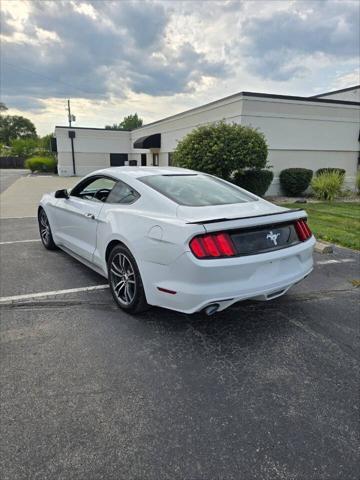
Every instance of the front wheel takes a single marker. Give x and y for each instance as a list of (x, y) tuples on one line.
[(125, 281), (45, 231)]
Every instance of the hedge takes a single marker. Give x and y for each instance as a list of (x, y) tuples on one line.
[(255, 181), (41, 164), (294, 181)]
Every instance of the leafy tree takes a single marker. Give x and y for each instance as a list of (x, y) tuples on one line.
[(3, 107), (114, 126), (15, 126), (24, 147), (129, 123), (222, 149), (45, 142)]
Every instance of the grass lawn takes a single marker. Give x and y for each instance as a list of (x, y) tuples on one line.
[(334, 222)]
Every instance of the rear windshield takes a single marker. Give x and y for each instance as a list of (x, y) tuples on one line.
[(196, 190)]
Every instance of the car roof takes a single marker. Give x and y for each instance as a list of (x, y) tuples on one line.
[(137, 172)]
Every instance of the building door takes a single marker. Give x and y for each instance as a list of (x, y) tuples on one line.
[(143, 159), (118, 159)]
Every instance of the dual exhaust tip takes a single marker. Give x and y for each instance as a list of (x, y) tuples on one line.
[(211, 309)]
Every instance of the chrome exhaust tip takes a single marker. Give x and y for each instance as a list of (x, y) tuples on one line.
[(211, 309)]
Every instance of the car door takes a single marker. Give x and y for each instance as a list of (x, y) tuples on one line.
[(77, 217)]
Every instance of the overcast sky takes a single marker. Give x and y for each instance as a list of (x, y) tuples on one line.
[(158, 58)]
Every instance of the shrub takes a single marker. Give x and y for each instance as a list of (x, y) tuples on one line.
[(331, 169), (41, 164), (221, 148), (295, 181), (255, 181), (327, 185), (358, 183)]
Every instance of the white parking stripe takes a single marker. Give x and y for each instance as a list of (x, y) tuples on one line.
[(329, 262), (15, 218), (20, 241), (31, 296)]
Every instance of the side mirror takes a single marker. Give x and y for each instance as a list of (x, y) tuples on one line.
[(62, 193)]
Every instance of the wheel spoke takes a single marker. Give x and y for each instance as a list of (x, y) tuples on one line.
[(127, 294), (119, 286), (116, 272)]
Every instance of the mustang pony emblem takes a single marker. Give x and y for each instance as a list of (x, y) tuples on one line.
[(273, 237)]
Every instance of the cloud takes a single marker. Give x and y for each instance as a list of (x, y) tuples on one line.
[(6, 28), (99, 49), (159, 57), (274, 43)]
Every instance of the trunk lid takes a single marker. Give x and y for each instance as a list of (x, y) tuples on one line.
[(237, 216)]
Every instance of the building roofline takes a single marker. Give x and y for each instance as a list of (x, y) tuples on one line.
[(354, 87), (93, 128), (252, 94)]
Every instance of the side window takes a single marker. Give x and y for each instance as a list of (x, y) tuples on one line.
[(97, 189), (122, 193)]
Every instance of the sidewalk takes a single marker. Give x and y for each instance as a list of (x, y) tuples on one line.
[(22, 198)]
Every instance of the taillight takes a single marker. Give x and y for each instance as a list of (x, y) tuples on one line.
[(302, 230), (213, 245)]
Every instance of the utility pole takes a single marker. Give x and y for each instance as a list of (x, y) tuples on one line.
[(69, 113), (71, 117)]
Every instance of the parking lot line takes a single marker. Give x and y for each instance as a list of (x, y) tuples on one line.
[(31, 296), (330, 262), (20, 241), (14, 218)]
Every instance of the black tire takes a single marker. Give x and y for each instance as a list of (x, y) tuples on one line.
[(45, 231), (125, 281)]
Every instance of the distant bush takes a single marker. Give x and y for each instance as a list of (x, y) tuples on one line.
[(341, 171), (255, 181), (358, 183), (294, 181), (221, 149), (327, 185), (41, 164)]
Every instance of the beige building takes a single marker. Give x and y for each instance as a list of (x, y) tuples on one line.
[(311, 132)]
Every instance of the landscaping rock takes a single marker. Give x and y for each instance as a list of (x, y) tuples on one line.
[(321, 247)]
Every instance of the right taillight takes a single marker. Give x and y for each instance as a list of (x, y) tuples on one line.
[(213, 245), (302, 230)]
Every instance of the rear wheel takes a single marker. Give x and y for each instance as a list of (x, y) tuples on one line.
[(45, 231), (125, 281)]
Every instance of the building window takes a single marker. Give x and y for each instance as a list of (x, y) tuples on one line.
[(143, 159), (155, 159), (170, 158)]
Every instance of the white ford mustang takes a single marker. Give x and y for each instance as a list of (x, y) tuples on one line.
[(177, 238)]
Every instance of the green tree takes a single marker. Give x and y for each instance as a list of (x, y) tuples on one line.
[(24, 147), (15, 126), (222, 149), (45, 142), (129, 123), (3, 107)]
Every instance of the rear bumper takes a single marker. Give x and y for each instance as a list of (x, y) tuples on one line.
[(198, 283)]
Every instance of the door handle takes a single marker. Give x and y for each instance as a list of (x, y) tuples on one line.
[(90, 215)]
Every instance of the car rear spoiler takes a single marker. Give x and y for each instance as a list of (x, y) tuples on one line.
[(217, 220)]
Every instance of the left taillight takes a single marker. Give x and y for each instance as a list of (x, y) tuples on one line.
[(214, 245), (302, 230)]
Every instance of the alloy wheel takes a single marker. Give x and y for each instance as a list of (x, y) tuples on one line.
[(123, 278), (44, 228)]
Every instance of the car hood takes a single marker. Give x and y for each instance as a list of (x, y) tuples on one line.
[(222, 212)]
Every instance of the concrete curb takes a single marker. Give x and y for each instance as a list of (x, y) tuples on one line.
[(321, 247)]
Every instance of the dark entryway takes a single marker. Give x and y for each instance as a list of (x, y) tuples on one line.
[(143, 159), (118, 159)]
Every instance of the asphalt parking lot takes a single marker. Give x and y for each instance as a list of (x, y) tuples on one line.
[(260, 391)]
